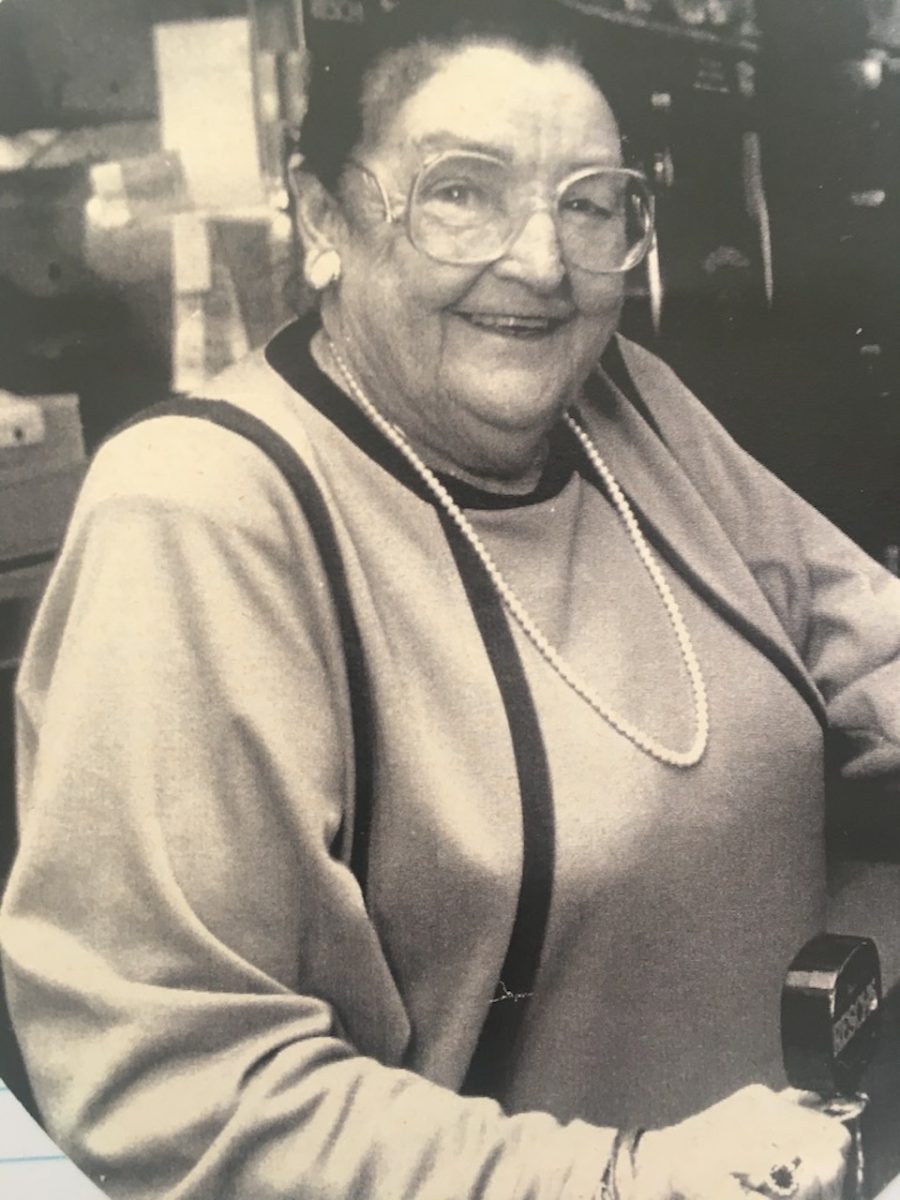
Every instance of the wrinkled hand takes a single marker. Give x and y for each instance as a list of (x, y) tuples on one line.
[(728, 1151)]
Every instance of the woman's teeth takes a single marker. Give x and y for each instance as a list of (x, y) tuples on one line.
[(517, 326)]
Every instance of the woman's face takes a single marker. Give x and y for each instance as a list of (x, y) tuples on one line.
[(475, 363)]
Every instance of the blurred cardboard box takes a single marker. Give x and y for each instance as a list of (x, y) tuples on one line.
[(207, 109), (42, 464)]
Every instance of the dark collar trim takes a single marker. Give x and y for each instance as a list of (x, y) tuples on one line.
[(290, 356)]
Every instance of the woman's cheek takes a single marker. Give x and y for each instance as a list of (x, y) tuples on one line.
[(600, 296)]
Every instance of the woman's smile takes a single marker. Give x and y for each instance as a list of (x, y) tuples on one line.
[(515, 325)]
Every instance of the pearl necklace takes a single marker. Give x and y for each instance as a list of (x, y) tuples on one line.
[(518, 611)]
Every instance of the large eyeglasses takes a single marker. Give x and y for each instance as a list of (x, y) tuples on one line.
[(467, 209)]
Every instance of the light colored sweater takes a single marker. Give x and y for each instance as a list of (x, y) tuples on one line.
[(208, 1006)]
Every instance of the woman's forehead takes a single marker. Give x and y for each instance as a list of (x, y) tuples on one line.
[(496, 99)]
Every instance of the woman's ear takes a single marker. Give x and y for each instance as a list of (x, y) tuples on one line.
[(320, 224)]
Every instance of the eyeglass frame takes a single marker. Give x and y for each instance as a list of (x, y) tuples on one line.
[(392, 218)]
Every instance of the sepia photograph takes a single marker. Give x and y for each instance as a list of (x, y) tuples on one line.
[(450, 599)]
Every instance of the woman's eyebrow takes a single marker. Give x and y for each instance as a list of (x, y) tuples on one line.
[(447, 140), (439, 140), (609, 157)]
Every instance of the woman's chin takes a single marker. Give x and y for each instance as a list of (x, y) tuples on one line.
[(514, 400)]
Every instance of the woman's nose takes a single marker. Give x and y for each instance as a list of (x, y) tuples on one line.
[(535, 256)]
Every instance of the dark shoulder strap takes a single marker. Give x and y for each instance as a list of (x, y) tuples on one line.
[(493, 1059), (312, 504)]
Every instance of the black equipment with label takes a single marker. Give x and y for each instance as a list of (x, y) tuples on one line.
[(830, 1018)]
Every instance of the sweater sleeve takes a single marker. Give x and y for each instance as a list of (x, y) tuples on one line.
[(839, 607), (204, 1005)]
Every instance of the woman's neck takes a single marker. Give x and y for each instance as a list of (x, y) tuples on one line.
[(520, 484)]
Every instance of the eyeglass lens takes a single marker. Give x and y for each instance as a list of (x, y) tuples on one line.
[(466, 209)]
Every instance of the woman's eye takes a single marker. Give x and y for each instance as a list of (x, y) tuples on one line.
[(460, 194), (588, 207)]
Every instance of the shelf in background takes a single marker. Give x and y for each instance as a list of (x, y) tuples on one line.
[(720, 39)]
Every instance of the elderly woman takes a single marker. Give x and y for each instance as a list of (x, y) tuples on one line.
[(422, 742)]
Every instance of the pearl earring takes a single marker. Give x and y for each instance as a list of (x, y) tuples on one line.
[(322, 270)]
